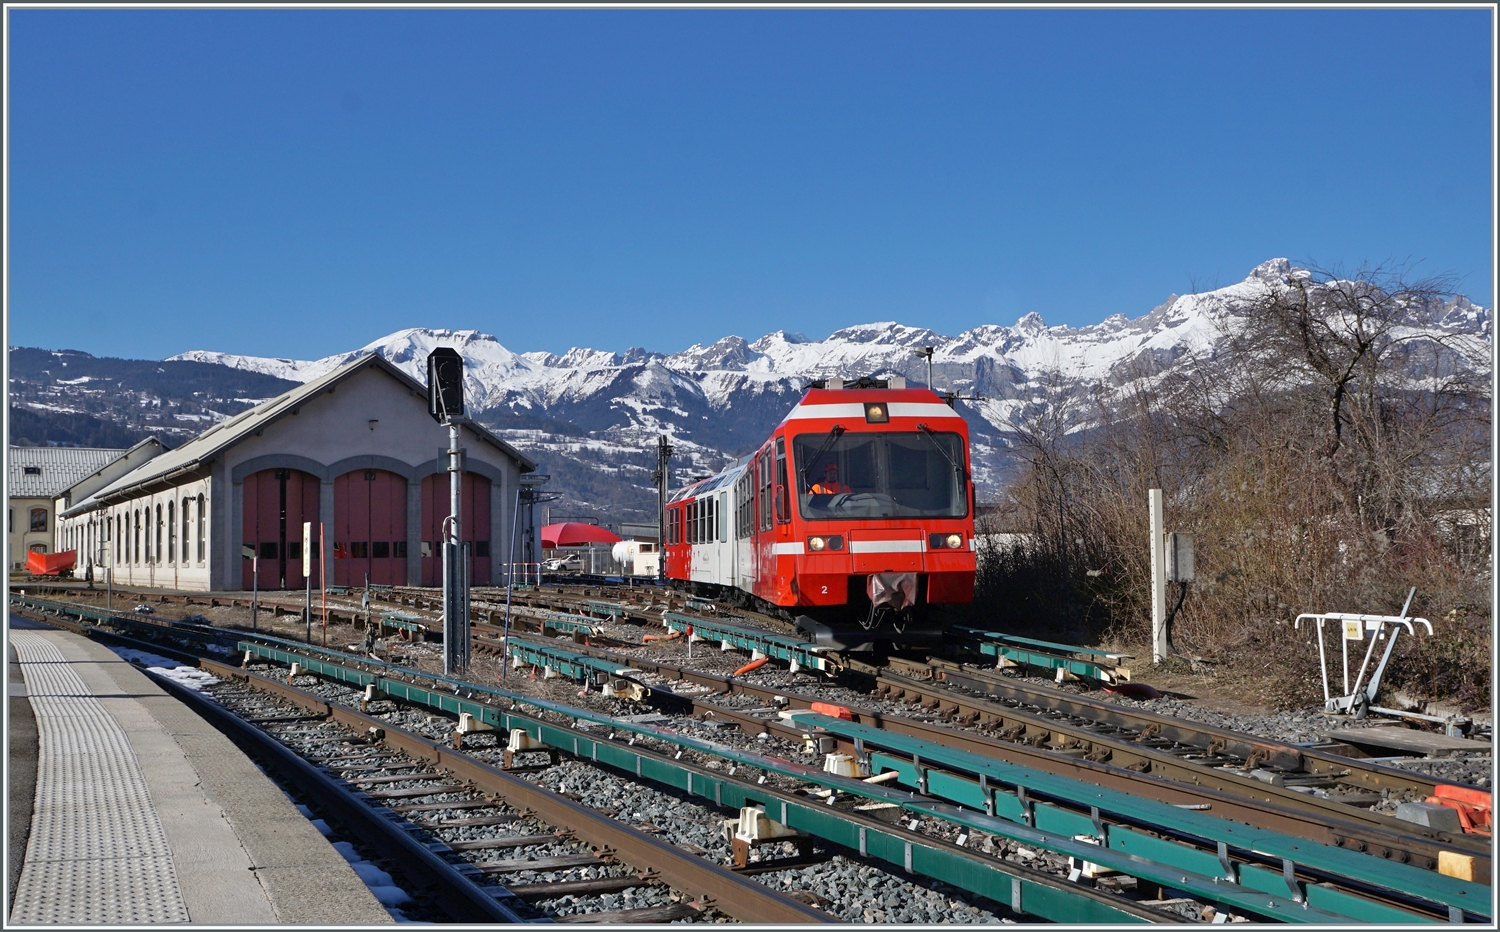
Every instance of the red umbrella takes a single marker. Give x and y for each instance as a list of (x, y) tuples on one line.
[(574, 533)]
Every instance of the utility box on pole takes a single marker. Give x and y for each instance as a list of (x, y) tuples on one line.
[(445, 402), (1179, 557), (1158, 582), (662, 475)]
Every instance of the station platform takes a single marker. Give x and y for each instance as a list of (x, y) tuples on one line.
[(130, 809)]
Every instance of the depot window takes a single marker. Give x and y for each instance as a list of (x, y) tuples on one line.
[(885, 474)]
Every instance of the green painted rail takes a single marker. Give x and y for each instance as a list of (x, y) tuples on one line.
[(1043, 654), (1029, 801), (1024, 890), (1195, 872), (1245, 887), (794, 651)]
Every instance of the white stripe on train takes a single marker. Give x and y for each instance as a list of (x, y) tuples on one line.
[(857, 410)]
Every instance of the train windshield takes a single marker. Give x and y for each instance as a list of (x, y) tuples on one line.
[(917, 474)]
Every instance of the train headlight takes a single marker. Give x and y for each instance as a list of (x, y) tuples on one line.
[(816, 544), (955, 541), (945, 541), (819, 544)]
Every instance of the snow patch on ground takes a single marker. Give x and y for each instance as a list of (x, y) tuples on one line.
[(191, 677), (382, 884)]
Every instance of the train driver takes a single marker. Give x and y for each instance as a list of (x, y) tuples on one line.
[(829, 484)]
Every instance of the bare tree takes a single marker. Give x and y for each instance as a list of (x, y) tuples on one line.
[(1348, 333)]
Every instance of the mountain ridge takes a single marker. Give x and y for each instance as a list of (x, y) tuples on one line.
[(718, 401)]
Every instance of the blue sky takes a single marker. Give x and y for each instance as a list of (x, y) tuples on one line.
[(300, 182)]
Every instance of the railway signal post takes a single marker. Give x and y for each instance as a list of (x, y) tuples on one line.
[(445, 402), (661, 474)]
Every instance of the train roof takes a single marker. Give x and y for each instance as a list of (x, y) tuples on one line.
[(708, 484), (827, 403)]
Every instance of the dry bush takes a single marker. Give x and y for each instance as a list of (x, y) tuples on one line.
[(1324, 461)]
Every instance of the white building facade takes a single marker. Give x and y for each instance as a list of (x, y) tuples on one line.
[(354, 453)]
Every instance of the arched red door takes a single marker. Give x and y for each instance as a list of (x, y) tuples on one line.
[(275, 503), (369, 535), (474, 526)]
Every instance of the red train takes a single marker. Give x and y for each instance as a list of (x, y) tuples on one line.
[(856, 515)]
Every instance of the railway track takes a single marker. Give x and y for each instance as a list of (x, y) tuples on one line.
[(464, 830), (915, 760), (1003, 732)]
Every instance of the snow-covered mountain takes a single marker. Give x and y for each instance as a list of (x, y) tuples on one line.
[(591, 415)]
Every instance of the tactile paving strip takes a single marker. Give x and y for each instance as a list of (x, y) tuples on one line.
[(97, 852)]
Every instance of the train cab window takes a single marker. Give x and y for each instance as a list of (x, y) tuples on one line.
[(883, 475)]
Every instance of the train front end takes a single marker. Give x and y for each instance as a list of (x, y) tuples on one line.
[(875, 514)]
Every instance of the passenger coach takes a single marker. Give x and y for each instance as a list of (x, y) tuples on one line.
[(856, 514)]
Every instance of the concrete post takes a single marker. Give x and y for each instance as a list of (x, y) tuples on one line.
[(1158, 582)]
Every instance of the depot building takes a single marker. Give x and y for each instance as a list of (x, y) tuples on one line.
[(354, 452)]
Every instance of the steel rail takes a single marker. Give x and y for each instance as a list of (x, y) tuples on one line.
[(300, 647), (1277, 754), (1205, 886), (729, 892), (733, 894), (1229, 794), (459, 896), (1025, 887), (1243, 886), (1169, 780)]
